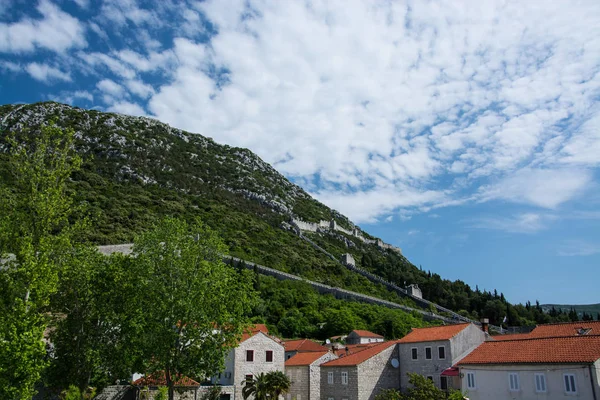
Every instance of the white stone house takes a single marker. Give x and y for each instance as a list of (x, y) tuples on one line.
[(361, 375), (549, 368), (363, 337), (432, 352), (256, 353), (304, 371)]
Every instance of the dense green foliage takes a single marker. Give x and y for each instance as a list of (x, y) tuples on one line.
[(35, 230), (294, 310), (421, 388)]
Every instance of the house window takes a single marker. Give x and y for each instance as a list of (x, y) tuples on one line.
[(441, 352), (330, 378), (428, 353), (570, 386), (540, 383), (471, 380), (430, 378), (344, 378), (249, 377), (250, 355), (415, 353), (443, 383), (513, 381), (269, 356)]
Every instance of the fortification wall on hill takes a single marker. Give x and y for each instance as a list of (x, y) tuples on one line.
[(325, 226)]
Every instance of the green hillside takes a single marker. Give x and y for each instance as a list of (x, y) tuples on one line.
[(580, 309), (137, 170)]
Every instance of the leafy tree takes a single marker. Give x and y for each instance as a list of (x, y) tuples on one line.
[(389, 394), (34, 228), (190, 307), (88, 347), (422, 388)]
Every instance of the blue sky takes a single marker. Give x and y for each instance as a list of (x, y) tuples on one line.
[(467, 134)]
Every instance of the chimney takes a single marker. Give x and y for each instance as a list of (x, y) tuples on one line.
[(485, 325), (347, 350)]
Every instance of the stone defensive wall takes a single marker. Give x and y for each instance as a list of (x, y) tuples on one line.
[(325, 226), (320, 287)]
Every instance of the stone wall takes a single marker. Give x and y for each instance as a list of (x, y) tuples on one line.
[(315, 375), (325, 226), (432, 367), (337, 390), (377, 373)]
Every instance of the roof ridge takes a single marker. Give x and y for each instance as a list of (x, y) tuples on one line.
[(548, 337)]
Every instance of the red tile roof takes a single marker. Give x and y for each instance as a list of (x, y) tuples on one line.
[(159, 379), (581, 349), (302, 345), (353, 348), (515, 336), (254, 330), (366, 334), (433, 334), (301, 359), (566, 329), (360, 356)]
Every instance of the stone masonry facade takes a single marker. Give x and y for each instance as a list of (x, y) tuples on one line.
[(259, 344), (365, 380)]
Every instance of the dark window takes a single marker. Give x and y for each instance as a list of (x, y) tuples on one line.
[(441, 353), (269, 356), (430, 378), (428, 353), (443, 383), (415, 354), (250, 355), (249, 377)]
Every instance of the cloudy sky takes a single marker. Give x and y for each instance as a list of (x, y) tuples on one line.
[(467, 133)]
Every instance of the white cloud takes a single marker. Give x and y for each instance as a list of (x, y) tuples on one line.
[(546, 188), (46, 74), (110, 88), (388, 99), (139, 88), (72, 97), (380, 108), (578, 248), (124, 107), (56, 31), (520, 223)]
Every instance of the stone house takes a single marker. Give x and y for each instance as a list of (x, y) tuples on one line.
[(432, 352), (361, 375), (304, 371), (293, 347), (256, 353), (547, 368), (363, 337)]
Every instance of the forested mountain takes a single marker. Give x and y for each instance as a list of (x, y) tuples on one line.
[(137, 170)]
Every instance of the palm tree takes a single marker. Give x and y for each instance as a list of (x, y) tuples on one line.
[(256, 386), (279, 383), (267, 386)]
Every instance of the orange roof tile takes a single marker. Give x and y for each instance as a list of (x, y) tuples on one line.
[(302, 345), (301, 359), (433, 334), (567, 329), (254, 330), (582, 349), (515, 336), (159, 379), (362, 333), (360, 356), (353, 348)]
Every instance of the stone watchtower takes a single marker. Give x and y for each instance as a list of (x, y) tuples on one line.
[(414, 290), (347, 259)]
